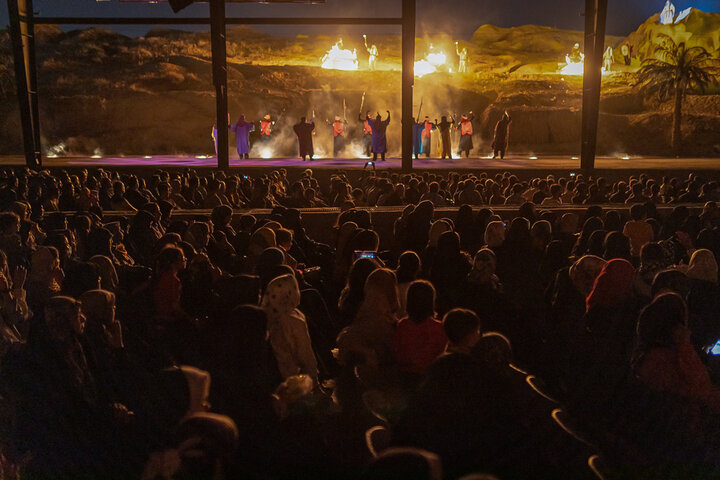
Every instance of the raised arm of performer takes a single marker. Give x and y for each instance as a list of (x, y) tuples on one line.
[(388, 119)]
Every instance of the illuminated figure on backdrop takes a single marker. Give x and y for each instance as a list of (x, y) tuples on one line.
[(338, 127), (242, 131), (625, 50), (502, 131), (668, 13), (576, 56), (367, 133), (379, 140), (304, 132), (466, 133), (608, 59), (373, 54), (463, 54)]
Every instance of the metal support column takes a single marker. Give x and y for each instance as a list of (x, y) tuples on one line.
[(408, 79), (219, 68), (595, 16), (22, 33)]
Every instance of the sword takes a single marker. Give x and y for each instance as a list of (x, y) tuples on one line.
[(362, 103), (417, 119)]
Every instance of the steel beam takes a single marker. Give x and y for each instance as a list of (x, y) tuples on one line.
[(206, 21), (595, 16), (219, 68), (23, 43), (408, 80)]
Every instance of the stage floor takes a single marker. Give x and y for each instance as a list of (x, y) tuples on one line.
[(511, 162)]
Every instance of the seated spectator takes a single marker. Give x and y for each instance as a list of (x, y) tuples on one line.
[(369, 339), (419, 338), (287, 328), (637, 229), (407, 272), (664, 358)]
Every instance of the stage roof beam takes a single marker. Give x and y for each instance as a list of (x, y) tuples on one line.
[(206, 21)]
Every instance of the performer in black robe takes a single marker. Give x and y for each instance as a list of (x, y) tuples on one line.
[(304, 130), (500, 140)]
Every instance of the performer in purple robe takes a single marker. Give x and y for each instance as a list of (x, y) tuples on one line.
[(242, 131), (304, 130), (379, 140)]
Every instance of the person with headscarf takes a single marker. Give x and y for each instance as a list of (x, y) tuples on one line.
[(448, 270), (353, 293), (437, 228), (704, 298), (664, 358), (379, 140), (261, 239), (591, 224), (500, 139), (341, 265), (596, 243), (494, 234), (369, 339), (242, 131), (616, 245), (409, 267), (601, 348), (45, 277), (418, 226), (287, 328)]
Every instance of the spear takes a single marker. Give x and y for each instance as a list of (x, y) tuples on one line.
[(362, 102), (420, 109), (280, 116), (344, 110)]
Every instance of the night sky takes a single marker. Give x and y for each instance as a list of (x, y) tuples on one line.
[(458, 17)]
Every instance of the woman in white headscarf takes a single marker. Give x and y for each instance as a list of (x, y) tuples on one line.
[(287, 328)]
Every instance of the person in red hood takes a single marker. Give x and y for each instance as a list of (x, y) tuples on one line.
[(466, 132), (338, 129), (426, 136), (367, 134), (266, 128)]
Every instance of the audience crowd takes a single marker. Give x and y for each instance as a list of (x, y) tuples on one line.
[(139, 343)]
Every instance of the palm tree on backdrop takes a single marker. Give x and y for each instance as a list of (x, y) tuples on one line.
[(675, 69)]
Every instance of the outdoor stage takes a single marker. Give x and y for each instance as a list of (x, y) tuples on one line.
[(512, 163)]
